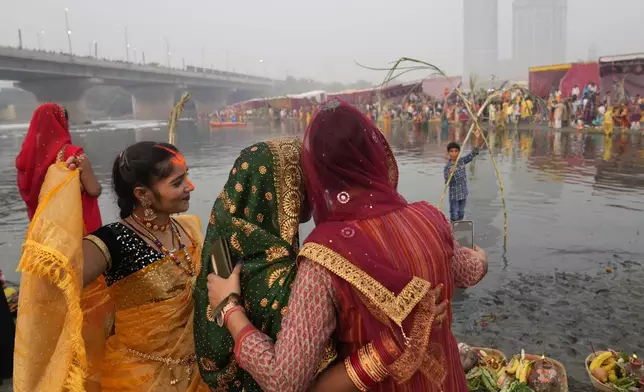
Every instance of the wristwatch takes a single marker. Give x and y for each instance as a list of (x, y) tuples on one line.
[(232, 302)]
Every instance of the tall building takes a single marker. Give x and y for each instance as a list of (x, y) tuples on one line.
[(539, 33), (480, 39)]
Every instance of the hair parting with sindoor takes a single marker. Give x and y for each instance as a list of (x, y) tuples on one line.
[(141, 164)]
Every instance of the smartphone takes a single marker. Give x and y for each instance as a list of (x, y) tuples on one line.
[(221, 258), (464, 233)]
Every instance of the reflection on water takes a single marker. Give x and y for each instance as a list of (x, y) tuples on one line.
[(575, 201)]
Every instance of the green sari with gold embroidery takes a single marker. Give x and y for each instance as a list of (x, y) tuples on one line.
[(258, 213)]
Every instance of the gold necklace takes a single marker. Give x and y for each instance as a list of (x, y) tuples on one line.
[(187, 362), (171, 254), (149, 225)]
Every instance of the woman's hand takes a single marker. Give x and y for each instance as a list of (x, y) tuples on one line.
[(220, 288), (440, 313), (479, 254), (72, 163), (476, 252)]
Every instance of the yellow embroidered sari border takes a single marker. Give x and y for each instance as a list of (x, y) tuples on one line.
[(286, 162), (396, 307)]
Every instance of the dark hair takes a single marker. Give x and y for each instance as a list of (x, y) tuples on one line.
[(453, 145), (66, 114), (139, 165)]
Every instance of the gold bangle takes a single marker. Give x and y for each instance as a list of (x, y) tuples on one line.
[(379, 366), (80, 158), (353, 376)]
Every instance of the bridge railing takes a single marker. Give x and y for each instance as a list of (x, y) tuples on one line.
[(60, 57)]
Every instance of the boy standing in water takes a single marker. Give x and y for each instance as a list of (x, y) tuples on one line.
[(458, 186)]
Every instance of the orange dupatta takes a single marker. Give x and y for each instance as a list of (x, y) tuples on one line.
[(50, 353)]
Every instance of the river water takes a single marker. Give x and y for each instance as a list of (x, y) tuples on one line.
[(569, 274)]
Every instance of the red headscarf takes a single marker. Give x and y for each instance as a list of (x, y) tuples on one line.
[(48, 133), (350, 170)]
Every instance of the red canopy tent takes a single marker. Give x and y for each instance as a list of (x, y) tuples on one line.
[(543, 79), (580, 74)]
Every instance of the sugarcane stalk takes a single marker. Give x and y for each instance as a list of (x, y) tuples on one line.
[(477, 124)]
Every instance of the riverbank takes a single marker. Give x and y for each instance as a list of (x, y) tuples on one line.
[(523, 126), (561, 314)]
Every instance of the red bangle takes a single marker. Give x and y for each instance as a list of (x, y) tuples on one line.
[(231, 311), (360, 372), (351, 372)]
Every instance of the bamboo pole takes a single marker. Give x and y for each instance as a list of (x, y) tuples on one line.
[(174, 117)]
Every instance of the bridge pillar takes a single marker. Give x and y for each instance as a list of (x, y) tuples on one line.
[(65, 92), (152, 102), (209, 100)]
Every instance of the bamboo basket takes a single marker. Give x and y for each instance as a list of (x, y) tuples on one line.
[(596, 383), (563, 379)]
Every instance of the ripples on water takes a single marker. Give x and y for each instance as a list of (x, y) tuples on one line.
[(575, 205)]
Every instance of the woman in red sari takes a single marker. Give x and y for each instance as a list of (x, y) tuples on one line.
[(48, 141), (365, 275)]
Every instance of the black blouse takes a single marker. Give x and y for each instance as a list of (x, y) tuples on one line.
[(124, 251)]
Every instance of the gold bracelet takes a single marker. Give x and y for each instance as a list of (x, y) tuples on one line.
[(231, 303), (80, 158), (353, 376), (230, 297)]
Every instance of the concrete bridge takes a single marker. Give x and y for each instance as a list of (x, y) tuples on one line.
[(61, 78)]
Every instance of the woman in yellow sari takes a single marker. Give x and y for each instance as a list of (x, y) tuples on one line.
[(149, 260), (608, 124)]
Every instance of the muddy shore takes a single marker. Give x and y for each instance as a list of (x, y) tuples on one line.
[(569, 310)]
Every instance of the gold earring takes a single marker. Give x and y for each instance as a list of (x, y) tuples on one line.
[(148, 213)]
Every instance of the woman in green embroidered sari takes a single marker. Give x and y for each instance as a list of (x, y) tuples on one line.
[(258, 213)]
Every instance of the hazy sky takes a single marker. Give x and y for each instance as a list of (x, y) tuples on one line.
[(315, 39)]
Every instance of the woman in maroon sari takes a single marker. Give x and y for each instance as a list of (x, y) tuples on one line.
[(364, 275), (48, 141)]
